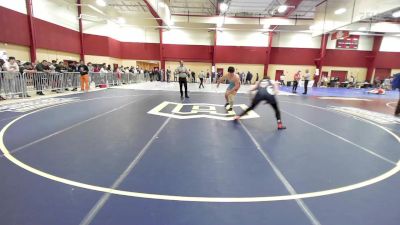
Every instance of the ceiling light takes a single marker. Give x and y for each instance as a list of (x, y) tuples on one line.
[(121, 20), (362, 29), (96, 9), (223, 7), (340, 11), (101, 3), (282, 8), (396, 14)]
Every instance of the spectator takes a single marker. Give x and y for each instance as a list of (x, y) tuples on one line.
[(26, 71), (1, 78), (296, 81), (396, 85), (40, 77), (90, 67), (3, 56), (12, 68), (243, 77), (282, 79), (168, 74), (193, 76), (249, 77)]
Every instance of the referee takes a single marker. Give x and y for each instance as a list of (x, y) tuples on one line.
[(182, 74), (306, 80)]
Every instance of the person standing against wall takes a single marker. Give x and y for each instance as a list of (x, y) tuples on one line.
[(168, 74), (306, 80), (296, 82), (84, 71), (193, 76), (183, 74)]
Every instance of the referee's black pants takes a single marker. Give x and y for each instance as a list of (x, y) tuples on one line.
[(183, 81)]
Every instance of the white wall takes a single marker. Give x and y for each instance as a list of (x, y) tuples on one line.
[(390, 44), (16, 5), (188, 37), (296, 40), (122, 33), (57, 12), (364, 44), (242, 38)]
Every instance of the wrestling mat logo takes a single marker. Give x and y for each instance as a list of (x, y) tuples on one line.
[(199, 110)]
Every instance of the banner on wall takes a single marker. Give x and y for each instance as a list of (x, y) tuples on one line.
[(213, 69)]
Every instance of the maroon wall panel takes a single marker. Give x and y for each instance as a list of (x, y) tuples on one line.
[(388, 60), (193, 53), (14, 27), (235, 54), (294, 56), (346, 58), (145, 51), (95, 45), (114, 48), (54, 37)]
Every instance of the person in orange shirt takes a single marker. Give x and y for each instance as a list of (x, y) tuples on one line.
[(84, 71), (297, 77)]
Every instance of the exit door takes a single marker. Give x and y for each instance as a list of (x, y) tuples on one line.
[(278, 74)]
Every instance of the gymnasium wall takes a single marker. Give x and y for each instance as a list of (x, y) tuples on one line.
[(358, 72), (103, 59), (241, 54), (66, 14), (395, 71), (122, 33), (15, 5), (192, 53), (58, 33), (45, 54), (289, 70), (292, 40), (188, 37), (18, 51), (390, 44), (242, 38)]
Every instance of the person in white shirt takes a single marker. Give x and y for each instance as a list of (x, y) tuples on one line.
[(283, 78), (202, 75), (3, 56), (12, 68), (306, 80)]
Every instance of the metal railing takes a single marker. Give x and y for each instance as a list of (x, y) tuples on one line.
[(14, 84)]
